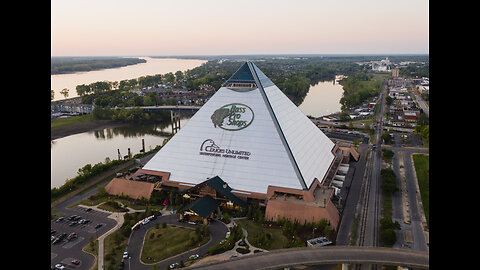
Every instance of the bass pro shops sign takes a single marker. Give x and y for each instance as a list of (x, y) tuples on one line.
[(232, 117)]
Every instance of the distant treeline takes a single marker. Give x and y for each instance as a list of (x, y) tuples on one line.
[(62, 65)]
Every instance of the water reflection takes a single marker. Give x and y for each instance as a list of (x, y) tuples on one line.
[(132, 131)]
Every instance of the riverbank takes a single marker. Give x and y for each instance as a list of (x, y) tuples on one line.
[(78, 124)]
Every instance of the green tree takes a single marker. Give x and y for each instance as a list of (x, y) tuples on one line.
[(387, 139), (389, 100), (169, 77), (178, 76), (389, 185), (83, 89), (64, 92)]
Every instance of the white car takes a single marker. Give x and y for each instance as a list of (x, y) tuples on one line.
[(59, 266), (194, 257), (173, 265), (125, 255), (145, 221)]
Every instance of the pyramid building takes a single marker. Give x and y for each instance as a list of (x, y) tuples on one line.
[(255, 139)]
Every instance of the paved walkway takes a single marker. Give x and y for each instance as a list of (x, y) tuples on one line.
[(118, 217), (227, 255)]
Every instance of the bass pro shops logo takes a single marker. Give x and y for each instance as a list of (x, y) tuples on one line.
[(232, 117)]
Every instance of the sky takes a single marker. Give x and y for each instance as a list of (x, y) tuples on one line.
[(226, 27)]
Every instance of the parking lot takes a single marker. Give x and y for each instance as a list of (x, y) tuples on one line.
[(85, 224)]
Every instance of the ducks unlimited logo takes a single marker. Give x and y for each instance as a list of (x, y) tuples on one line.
[(232, 117), (209, 148)]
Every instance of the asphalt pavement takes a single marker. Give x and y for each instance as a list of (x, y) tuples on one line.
[(65, 251), (135, 244)]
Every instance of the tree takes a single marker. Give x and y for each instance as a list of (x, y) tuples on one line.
[(178, 76), (64, 92), (169, 77), (83, 89), (386, 138), (388, 100)]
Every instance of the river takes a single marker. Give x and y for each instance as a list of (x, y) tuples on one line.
[(70, 153), (322, 99), (151, 67)]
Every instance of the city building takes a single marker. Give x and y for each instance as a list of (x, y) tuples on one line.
[(249, 144)]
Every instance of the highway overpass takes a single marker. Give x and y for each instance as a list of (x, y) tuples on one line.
[(324, 255)]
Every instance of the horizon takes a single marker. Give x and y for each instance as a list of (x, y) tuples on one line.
[(253, 54), (213, 27)]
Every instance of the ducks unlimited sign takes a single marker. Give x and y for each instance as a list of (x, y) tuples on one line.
[(232, 117)]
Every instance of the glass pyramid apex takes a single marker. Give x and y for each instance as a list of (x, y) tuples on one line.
[(242, 75)]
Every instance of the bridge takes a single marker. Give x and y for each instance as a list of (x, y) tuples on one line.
[(324, 255), (168, 108)]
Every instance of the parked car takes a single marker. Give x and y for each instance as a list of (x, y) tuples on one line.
[(83, 221), (173, 265), (98, 226), (59, 266), (194, 257), (75, 261), (59, 219), (125, 255), (71, 236)]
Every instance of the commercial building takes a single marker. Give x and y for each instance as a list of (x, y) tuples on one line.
[(258, 148)]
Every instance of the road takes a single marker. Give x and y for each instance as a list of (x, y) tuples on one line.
[(369, 224), (135, 244), (323, 255), (405, 204), (420, 102), (351, 194), (404, 170)]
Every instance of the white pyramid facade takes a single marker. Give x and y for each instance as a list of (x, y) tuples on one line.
[(265, 140), (311, 148)]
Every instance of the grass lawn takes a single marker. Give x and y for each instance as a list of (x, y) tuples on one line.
[(278, 239), (161, 243), (73, 120), (422, 169), (92, 250)]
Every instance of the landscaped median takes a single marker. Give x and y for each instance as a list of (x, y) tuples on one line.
[(422, 169), (165, 241), (276, 240)]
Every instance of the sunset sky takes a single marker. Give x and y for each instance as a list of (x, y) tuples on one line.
[(216, 27)]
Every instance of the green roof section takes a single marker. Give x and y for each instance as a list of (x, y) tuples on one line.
[(203, 206), (221, 187)]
